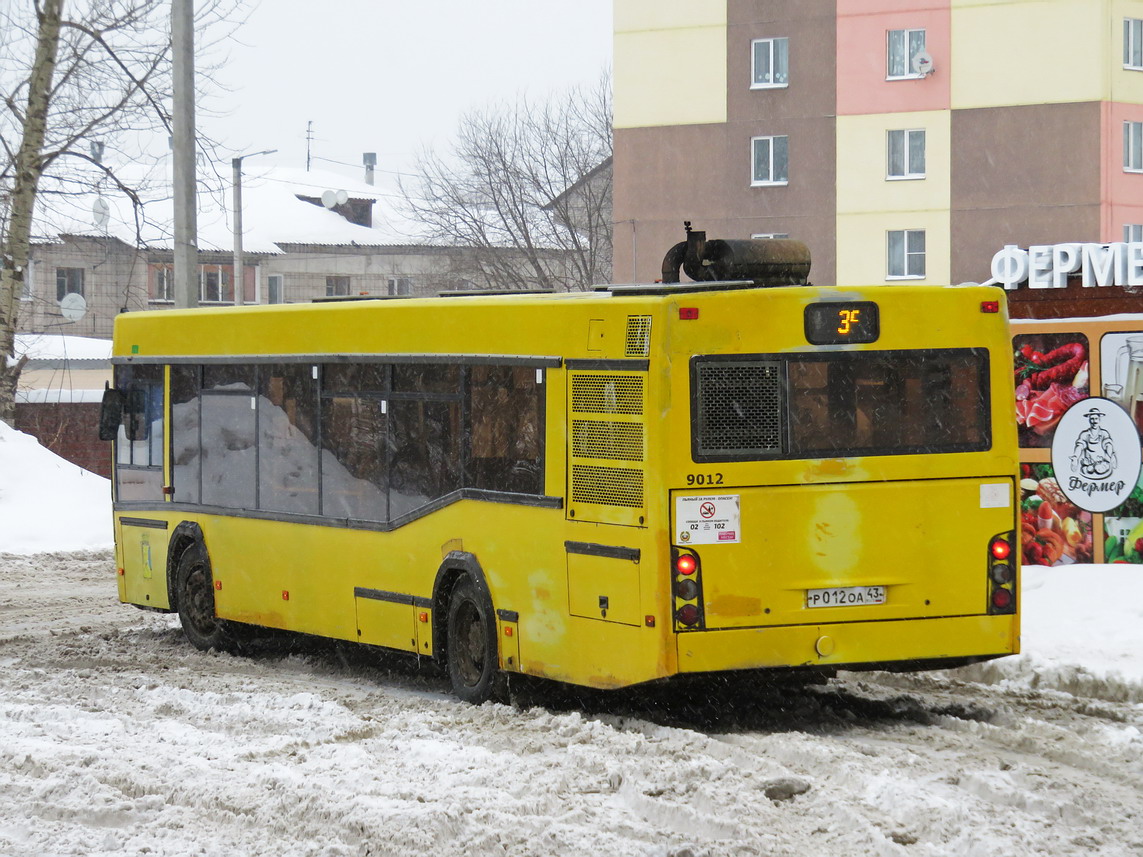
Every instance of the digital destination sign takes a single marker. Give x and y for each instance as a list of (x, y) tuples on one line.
[(837, 323)]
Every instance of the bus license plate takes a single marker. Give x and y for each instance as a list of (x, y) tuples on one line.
[(845, 596)]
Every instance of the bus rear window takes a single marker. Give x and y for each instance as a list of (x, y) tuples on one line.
[(841, 404)]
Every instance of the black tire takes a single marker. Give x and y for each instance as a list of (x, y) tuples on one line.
[(470, 647), (194, 591)]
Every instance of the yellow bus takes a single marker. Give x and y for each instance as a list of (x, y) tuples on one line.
[(601, 488)]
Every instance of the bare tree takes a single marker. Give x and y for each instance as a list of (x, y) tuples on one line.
[(75, 82), (527, 189)]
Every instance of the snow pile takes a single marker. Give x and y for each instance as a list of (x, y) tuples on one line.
[(1082, 633), (47, 503)]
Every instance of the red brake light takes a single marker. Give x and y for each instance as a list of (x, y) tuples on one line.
[(1001, 599), (685, 564), (688, 614), (1001, 549)]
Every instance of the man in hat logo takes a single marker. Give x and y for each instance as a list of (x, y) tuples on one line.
[(1094, 454)]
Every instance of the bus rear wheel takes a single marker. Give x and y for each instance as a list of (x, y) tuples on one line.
[(195, 592), (471, 653)]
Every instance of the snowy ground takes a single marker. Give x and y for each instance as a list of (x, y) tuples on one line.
[(117, 737)]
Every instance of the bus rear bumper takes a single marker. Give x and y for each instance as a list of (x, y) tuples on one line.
[(855, 644)]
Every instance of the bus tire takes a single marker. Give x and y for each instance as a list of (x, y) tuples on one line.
[(470, 647), (195, 592)]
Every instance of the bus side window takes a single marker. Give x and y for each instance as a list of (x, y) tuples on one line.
[(139, 441), (505, 430)]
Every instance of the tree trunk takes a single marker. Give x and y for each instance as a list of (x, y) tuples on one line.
[(14, 245)]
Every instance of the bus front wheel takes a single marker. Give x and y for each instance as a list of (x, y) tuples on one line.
[(195, 589), (473, 667)]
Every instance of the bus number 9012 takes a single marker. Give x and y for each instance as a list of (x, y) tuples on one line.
[(704, 479)]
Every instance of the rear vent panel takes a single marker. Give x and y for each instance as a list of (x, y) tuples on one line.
[(607, 444), (607, 394), (739, 408), (638, 336)]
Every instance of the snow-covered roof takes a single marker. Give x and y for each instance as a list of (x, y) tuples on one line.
[(272, 213), (51, 346)]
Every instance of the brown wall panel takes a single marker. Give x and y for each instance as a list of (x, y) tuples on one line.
[(1008, 186)]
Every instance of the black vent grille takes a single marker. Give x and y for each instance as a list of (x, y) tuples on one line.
[(739, 408), (607, 394)]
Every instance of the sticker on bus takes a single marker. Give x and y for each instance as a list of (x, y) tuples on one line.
[(845, 596), (708, 520)]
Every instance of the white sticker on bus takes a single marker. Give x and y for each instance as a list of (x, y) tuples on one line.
[(708, 520)]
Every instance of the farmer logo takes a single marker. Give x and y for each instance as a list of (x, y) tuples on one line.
[(1096, 454)]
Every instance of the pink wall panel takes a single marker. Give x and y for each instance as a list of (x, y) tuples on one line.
[(862, 29), (1121, 193)]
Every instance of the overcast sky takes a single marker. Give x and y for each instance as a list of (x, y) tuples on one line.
[(388, 77)]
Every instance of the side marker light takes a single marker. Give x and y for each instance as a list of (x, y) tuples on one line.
[(990, 306), (688, 313)]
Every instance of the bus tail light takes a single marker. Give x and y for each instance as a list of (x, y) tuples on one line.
[(1001, 574), (686, 589)]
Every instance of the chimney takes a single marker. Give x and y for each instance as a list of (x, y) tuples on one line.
[(370, 161)]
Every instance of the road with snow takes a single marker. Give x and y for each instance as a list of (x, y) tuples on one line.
[(117, 737)]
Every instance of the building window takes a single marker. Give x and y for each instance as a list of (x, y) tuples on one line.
[(770, 235), (1133, 233), (906, 154), (903, 46), (1133, 43), (400, 285), (771, 63), (1133, 147), (906, 254), (274, 289), (28, 290), (162, 284), (68, 281), (214, 284), (770, 161), (337, 287)]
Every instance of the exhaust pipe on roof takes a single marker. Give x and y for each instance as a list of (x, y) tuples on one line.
[(763, 261)]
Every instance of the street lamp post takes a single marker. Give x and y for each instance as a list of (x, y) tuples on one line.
[(239, 280)]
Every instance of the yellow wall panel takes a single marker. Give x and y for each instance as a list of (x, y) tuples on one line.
[(862, 242), (1126, 84), (1033, 51), (862, 164), (670, 63)]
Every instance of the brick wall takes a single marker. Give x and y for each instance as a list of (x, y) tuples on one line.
[(70, 430)]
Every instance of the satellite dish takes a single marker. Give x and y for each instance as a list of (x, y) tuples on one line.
[(328, 198), (923, 64), (100, 213), (342, 197), (73, 307)]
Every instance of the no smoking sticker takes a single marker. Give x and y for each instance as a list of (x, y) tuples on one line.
[(707, 520)]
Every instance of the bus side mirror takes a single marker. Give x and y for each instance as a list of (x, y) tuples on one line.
[(110, 413)]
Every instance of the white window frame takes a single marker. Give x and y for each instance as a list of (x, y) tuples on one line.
[(69, 284), (28, 292), (400, 286), (338, 286), (164, 286), (1132, 147), (1133, 233), (275, 287), (910, 170), (223, 284), (776, 48), (755, 181), (1133, 44), (906, 35), (908, 238)]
